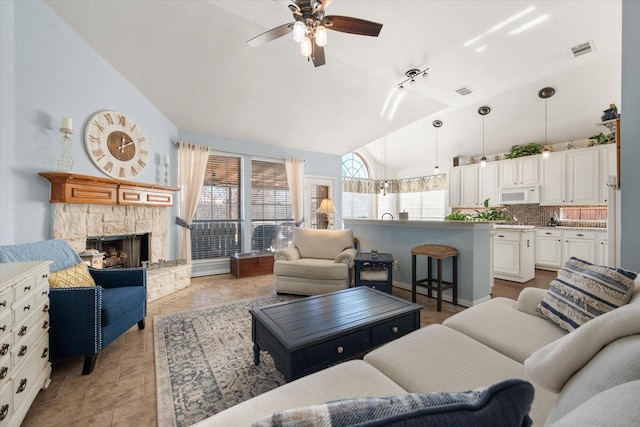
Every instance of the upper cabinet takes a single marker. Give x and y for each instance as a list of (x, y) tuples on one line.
[(571, 178), (489, 184), (521, 171)]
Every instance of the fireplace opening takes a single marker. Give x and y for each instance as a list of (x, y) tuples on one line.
[(124, 251)]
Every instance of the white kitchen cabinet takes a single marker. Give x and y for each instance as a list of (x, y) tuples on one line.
[(580, 244), (602, 248), (549, 248), (469, 185), (513, 255), (571, 178), (24, 337), (489, 184), (608, 167), (553, 179), (583, 182), (464, 186), (521, 171)]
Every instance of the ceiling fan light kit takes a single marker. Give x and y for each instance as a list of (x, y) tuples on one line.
[(310, 28)]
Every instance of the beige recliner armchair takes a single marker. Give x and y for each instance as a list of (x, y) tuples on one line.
[(320, 261)]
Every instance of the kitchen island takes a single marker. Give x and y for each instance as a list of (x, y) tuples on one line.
[(471, 239)]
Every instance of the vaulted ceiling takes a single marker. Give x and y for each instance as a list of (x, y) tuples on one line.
[(192, 61)]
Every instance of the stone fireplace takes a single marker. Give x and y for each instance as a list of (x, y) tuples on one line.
[(78, 222)]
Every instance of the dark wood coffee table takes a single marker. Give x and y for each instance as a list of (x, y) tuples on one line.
[(309, 334)]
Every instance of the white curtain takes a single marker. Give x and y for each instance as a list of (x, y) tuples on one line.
[(295, 179), (193, 165)]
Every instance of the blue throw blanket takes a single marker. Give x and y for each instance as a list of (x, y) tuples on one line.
[(58, 251)]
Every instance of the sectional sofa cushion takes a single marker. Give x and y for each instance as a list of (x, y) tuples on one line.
[(73, 277), (504, 404), (499, 325), (583, 291), (323, 244), (350, 379)]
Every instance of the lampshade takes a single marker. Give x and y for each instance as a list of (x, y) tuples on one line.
[(321, 36), (305, 46), (326, 207), (299, 30)]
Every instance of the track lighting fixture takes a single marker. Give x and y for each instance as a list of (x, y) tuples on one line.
[(411, 76)]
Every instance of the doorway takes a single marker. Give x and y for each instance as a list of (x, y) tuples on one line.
[(316, 190)]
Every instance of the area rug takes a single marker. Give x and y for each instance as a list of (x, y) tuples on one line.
[(204, 361)]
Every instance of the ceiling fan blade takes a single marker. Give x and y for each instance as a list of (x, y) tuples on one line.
[(272, 34), (317, 54), (346, 24)]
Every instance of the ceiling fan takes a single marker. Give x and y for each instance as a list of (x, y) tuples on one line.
[(310, 27)]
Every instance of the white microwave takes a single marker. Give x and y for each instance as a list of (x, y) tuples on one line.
[(519, 195)]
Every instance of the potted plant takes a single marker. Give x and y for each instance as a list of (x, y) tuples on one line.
[(529, 149)]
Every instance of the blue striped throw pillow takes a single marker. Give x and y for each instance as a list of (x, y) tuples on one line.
[(583, 291)]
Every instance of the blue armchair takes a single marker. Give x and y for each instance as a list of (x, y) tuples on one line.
[(84, 320)]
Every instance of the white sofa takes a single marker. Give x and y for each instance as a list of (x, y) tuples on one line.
[(319, 261), (590, 376)]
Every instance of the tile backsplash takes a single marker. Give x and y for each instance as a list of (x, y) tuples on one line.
[(534, 214)]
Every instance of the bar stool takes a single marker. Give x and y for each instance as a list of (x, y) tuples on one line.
[(438, 252)]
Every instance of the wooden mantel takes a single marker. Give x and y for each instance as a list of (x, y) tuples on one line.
[(75, 188)]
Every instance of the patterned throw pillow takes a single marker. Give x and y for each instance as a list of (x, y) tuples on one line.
[(505, 404), (583, 291), (72, 277)]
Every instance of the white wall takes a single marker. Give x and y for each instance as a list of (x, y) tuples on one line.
[(630, 136)]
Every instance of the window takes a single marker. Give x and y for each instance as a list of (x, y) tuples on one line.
[(354, 166), (358, 192), (217, 227), (272, 222)]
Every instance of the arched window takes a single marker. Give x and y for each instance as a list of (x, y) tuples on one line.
[(354, 166)]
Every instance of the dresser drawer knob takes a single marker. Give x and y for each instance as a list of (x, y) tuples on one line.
[(45, 325), (27, 288), (4, 411), (23, 331), (4, 349), (23, 385), (45, 276), (340, 350), (45, 309), (27, 307), (395, 329), (3, 372), (3, 328), (45, 352), (3, 303), (23, 351)]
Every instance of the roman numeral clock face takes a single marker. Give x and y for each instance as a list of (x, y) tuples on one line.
[(116, 145)]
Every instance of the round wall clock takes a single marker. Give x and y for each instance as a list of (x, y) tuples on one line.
[(116, 145)]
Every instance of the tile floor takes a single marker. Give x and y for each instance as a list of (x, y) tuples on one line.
[(121, 390)]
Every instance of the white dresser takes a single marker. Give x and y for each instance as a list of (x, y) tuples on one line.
[(24, 337)]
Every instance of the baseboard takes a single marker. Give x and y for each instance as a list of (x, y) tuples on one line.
[(446, 296)]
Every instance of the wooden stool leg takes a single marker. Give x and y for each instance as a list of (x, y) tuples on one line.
[(455, 280), (429, 276), (439, 304), (413, 278)]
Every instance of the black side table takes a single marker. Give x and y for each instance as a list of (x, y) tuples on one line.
[(375, 273)]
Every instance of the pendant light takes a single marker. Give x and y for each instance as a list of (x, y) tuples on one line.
[(546, 93), (437, 124), (483, 111)]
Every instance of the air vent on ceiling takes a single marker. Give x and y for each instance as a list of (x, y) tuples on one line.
[(582, 49), (464, 91)]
